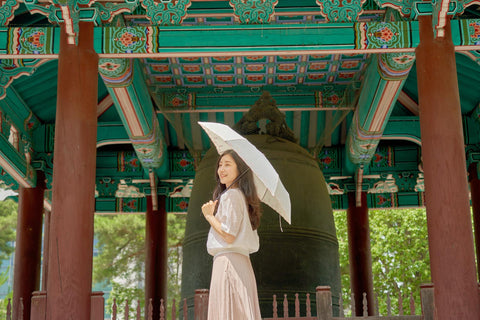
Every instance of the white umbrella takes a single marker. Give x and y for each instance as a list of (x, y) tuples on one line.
[(270, 189)]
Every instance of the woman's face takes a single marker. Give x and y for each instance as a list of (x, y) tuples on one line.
[(227, 170)]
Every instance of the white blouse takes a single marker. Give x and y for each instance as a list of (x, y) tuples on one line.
[(233, 215)]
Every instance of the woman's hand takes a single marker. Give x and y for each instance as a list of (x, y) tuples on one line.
[(209, 208)]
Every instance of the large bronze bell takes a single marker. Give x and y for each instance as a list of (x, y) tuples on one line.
[(297, 260)]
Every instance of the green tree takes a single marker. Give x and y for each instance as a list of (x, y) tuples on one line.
[(8, 223), (400, 260), (121, 257), (4, 302), (176, 235)]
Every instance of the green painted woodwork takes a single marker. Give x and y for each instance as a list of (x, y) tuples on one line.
[(14, 162), (17, 124), (39, 91), (111, 133), (114, 40), (226, 39), (253, 11), (71, 12), (468, 83), (403, 128), (443, 10), (375, 104), (327, 97), (202, 40), (116, 170), (395, 66), (433, 8), (6, 181), (471, 127), (440, 10), (395, 158), (384, 200), (7, 10), (119, 164), (473, 157), (151, 150), (182, 164), (43, 139), (80, 10), (412, 9), (341, 10), (110, 115), (167, 12), (44, 162), (110, 10), (116, 72), (178, 204), (211, 64), (135, 110), (219, 79), (11, 69), (138, 205), (472, 31), (473, 55), (19, 114)]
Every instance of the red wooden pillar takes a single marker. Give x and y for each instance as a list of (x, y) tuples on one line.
[(156, 255), (475, 195), (28, 246), (449, 224), (360, 256), (73, 198)]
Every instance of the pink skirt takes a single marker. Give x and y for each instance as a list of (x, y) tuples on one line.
[(233, 289)]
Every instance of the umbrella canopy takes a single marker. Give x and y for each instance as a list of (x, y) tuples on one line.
[(269, 187)]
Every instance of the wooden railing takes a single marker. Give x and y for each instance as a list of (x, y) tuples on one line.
[(280, 310), (323, 307)]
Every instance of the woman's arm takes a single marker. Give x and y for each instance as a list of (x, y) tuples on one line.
[(208, 209)]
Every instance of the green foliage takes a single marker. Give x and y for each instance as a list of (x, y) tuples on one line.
[(121, 258), (8, 223), (176, 235), (400, 260), (4, 302), (121, 247), (123, 296)]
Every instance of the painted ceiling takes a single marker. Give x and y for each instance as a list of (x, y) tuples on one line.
[(323, 69)]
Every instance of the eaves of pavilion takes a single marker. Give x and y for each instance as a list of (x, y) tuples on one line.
[(345, 76)]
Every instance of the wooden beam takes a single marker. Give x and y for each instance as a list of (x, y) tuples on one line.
[(132, 100), (235, 40), (408, 103), (15, 164), (104, 105)]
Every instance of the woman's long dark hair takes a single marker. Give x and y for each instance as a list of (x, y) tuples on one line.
[(245, 184)]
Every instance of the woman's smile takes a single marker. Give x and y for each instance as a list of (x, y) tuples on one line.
[(227, 170)]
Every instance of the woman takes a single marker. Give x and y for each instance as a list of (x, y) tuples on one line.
[(232, 237)]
